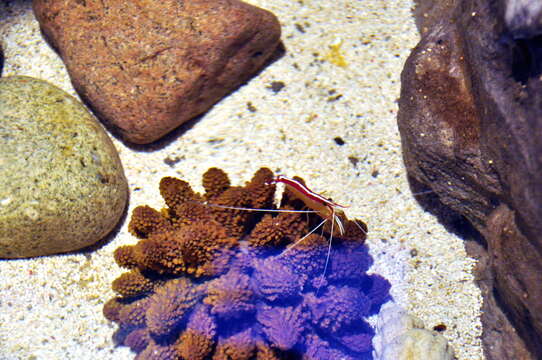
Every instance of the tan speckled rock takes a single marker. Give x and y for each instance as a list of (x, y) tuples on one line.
[(62, 186), (148, 66)]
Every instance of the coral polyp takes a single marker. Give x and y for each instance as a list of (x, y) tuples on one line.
[(208, 280)]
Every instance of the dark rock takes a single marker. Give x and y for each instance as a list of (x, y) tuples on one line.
[(1, 60), (147, 67), (470, 117)]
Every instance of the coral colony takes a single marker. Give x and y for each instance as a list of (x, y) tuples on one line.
[(206, 282)]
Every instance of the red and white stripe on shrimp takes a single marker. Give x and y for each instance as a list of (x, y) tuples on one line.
[(325, 208)]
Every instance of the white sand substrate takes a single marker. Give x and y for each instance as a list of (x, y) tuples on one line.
[(341, 73)]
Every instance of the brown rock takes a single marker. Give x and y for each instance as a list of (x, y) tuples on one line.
[(145, 67), (470, 117)]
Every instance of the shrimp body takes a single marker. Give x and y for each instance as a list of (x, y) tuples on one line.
[(325, 208)]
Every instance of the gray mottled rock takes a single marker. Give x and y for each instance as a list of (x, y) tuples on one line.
[(62, 186), (470, 118), (400, 336)]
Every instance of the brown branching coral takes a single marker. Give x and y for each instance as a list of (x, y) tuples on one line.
[(133, 283), (273, 231), (194, 345), (215, 181), (134, 313), (257, 194), (189, 249), (233, 220), (112, 308), (208, 281), (197, 341), (177, 192), (265, 352), (125, 257), (145, 220), (155, 351), (261, 189), (159, 253), (138, 340), (201, 244)]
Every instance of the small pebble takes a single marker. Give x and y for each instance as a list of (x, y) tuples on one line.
[(276, 86), (339, 141)]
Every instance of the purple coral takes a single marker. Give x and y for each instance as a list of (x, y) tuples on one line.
[(282, 326), (133, 314), (378, 290), (357, 342), (239, 346), (320, 349), (206, 283), (273, 280), (202, 322), (307, 257), (338, 308), (169, 306), (348, 263), (138, 340), (230, 296)]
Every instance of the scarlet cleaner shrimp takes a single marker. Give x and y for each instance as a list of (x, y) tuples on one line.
[(298, 198)]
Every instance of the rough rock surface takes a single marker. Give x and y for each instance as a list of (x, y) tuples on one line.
[(146, 67), (62, 186), (470, 120), (401, 336)]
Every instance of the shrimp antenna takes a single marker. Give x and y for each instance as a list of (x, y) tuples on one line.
[(328, 252), (253, 209), (359, 226), (303, 238), (339, 223)]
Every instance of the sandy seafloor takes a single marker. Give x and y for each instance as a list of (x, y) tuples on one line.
[(341, 72)]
